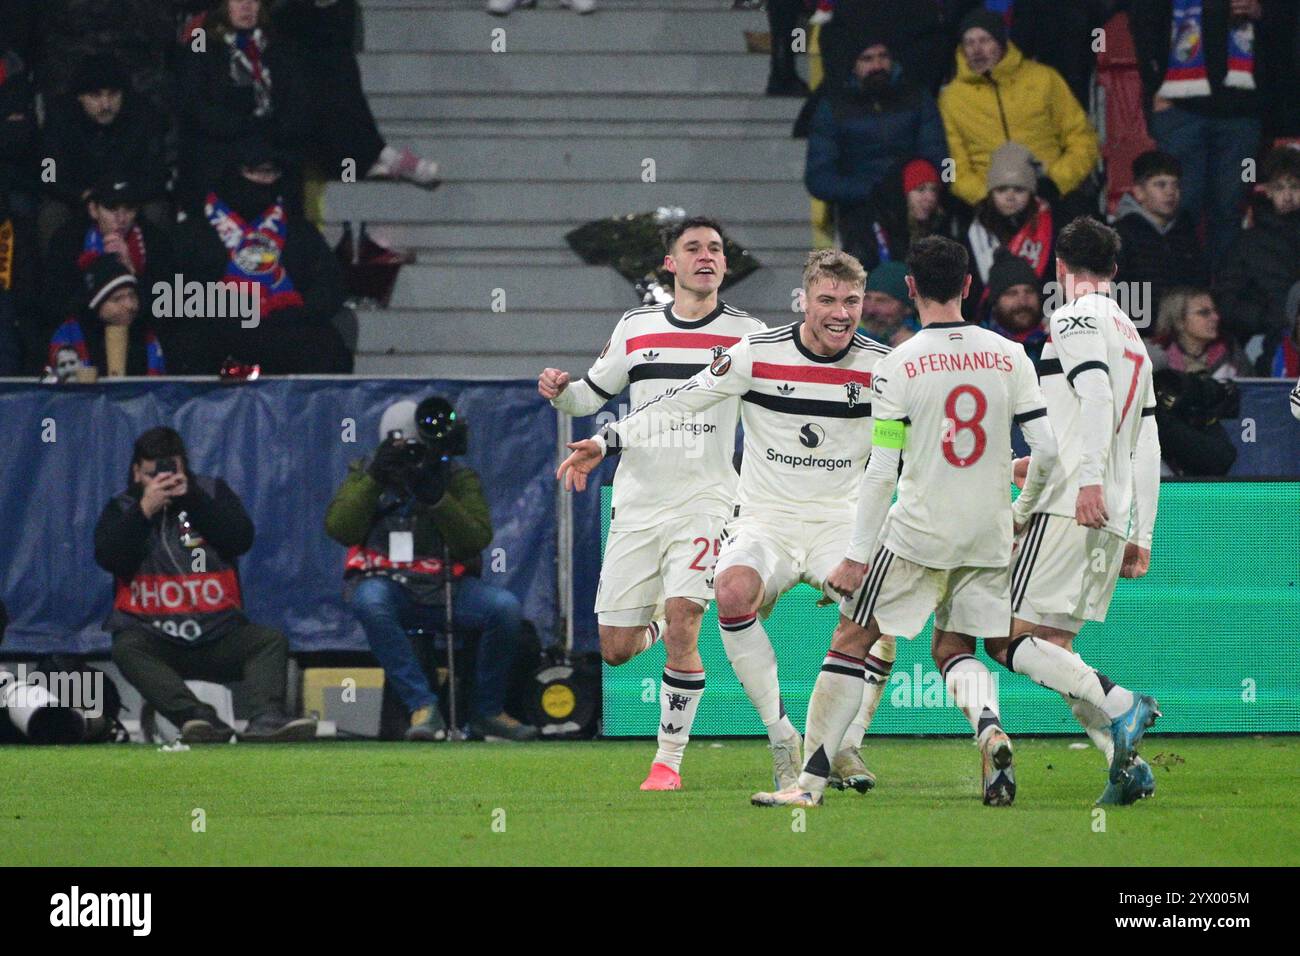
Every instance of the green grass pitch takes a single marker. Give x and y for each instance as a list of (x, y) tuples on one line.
[(1219, 801)]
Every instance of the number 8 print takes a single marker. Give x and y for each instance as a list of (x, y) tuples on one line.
[(971, 425)]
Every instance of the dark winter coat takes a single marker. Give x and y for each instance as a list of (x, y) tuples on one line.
[(131, 148), (883, 223), (1255, 276), (1166, 258), (153, 561), (857, 137), (216, 116)]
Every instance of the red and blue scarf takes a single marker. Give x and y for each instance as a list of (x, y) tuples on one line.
[(1186, 75), (93, 247), (70, 335), (255, 252)]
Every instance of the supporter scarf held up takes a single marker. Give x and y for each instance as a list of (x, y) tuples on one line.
[(1186, 74), (255, 252)]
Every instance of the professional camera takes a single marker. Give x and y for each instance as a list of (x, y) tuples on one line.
[(418, 442)]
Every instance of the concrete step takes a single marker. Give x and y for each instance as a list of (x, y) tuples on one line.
[(557, 159), (667, 73), (498, 289), (522, 202), (629, 107), (456, 332), (421, 29), (518, 241), (606, 130)]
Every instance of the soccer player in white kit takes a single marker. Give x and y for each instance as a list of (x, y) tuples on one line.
[(806, 409), (944, 402), (670, 501), (1096, 377)]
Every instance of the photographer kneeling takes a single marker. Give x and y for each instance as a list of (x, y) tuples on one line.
[(395, 515), (171, 541)]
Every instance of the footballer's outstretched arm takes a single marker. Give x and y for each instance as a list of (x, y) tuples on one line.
[(574, 399), (728, 376), (605, 379)]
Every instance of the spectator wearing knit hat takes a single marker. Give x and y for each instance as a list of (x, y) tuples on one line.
[(887, 313), (907, 205), (101, 128), (112, 299), (999, 96), (1010, 215), (111, 225), (1015, 303), (867, 123), (1158, 242)]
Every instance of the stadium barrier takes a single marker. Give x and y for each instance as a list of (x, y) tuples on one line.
[(1210, 631), (283, 445)]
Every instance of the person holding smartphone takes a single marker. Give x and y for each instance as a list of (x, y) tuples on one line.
[(171, 541)]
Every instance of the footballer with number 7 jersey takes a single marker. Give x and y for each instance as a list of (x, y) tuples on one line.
[(1096, 378), (944, 403), (671, 500), (805, 393)]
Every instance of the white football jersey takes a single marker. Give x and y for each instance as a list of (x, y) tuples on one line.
[(688, 470), (957, 389), (1093, 332), (807, 420)]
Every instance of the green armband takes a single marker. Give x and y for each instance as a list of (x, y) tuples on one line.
[(889, 434)]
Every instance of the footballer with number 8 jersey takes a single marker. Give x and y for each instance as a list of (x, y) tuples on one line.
[(944, 403), (1096, 377), (671, 500), (805, 393)]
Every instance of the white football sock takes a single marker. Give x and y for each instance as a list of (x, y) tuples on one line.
[(1097, 725), (879, 661), (679, 698), (1054, 667), (835, 699), (752, 658), (974, 690)]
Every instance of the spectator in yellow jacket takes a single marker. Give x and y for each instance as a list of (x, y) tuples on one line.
[(999, 96)]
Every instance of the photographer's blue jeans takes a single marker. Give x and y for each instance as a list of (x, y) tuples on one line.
[(386, 610), (1211, 151)]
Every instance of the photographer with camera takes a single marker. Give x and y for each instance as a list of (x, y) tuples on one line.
[(401, 515), (171, 541)]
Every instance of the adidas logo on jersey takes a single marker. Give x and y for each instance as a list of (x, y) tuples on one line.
[(785, 389), (650, 356)]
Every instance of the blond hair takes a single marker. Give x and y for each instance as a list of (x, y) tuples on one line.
[(834, 265), (1173, 311)]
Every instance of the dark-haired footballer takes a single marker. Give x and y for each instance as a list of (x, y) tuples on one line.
[(1096, 377), (671, 498)]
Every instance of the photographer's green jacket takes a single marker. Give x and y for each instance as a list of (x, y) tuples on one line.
[(461, 518)]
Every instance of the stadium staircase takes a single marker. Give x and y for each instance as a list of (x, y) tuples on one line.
[(548, 135)]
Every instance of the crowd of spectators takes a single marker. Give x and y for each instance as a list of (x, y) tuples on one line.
[(979, 120), (175, 138)]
